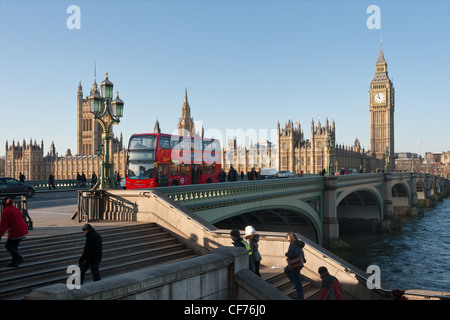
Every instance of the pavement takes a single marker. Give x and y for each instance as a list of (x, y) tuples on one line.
[(52, 221), (44, 226)]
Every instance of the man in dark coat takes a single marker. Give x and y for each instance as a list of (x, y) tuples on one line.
[(239, 242), (92, 254)]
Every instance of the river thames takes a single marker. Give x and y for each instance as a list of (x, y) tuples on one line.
[(418, 258)]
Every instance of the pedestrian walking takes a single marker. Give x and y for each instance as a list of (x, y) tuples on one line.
[(118, 179), (232, 174), (83, 180), (12, 221), (331, 288), (78, 180), (221, 176), (51, 182), (295, 249), (239, 242), (253, 238), (93, 179), (92, 253), (254, 175)]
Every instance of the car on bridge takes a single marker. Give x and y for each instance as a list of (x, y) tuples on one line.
[(285, 174), (11, 186)]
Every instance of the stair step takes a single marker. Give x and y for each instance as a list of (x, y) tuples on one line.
[(38, 268), (280, 281), (44, 243), (125, 249), (77, 246)]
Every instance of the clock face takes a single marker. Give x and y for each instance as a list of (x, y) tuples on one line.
[(379, 97)]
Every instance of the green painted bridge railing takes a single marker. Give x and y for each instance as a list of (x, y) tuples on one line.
[(207, 196)]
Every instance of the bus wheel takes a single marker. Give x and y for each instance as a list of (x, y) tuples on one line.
[(174, 182), (208, 181)]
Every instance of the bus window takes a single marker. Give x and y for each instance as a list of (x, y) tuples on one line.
[(174, 143), (185, 169), (164, 142), (142, 142), (198, 145), (140, 170), (211, 152), (208, 168)]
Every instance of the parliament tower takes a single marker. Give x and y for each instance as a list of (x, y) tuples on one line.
[(185, 126), (381, 106)]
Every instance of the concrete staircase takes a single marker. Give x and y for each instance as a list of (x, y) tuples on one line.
[(125, 249), (279, 280)]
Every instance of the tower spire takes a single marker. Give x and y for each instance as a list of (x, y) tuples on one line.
[(186, 123), (94, 89), (381, 56)]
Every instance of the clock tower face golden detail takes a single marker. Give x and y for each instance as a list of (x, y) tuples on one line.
[(381, 106)]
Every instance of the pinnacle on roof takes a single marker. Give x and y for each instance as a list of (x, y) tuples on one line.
[(381, 56)]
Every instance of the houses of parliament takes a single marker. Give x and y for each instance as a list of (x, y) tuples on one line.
[(295, 153), (292, 151)]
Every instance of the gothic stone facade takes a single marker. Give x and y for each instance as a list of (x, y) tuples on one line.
[(30, 160), (295, 153)]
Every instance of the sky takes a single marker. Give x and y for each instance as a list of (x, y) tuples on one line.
[(246, 66)]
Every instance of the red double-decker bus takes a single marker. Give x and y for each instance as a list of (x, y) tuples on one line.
[(158, 159)]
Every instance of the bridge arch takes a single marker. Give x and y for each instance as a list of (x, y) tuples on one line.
[(420, 188), (281, 217), (368, 200), (401, 195)]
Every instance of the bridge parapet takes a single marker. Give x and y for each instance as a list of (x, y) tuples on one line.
[(203, 237), (344, 181), (207, 196)]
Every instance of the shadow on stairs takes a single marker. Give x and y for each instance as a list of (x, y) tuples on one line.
[(279, 280), (125, 249)]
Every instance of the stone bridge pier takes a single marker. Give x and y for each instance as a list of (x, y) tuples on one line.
[(330, 221)]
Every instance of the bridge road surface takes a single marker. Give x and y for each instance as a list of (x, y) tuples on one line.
[(51, 212)]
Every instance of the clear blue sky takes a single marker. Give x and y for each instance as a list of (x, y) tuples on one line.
[(246, 64)]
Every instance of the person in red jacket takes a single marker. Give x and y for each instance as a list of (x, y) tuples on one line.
[(13, 222), (331, 288)]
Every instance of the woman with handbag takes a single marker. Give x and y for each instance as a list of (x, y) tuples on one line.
[(295, 259)]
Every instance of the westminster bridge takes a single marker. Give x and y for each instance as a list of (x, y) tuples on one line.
[(193, 216), (310, 205)]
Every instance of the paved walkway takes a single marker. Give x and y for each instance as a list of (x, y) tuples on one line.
[(56, 220)]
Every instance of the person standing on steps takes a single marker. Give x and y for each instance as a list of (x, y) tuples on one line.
[(252, 238), (331, 288), (295, 249), (12, 221), (92, 254), (239, 242)]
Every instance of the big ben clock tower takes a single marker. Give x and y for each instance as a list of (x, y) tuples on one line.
[(381, 105)]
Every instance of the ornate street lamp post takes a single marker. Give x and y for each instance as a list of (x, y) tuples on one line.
[(386, 156), (330, 145), (108, 113)]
